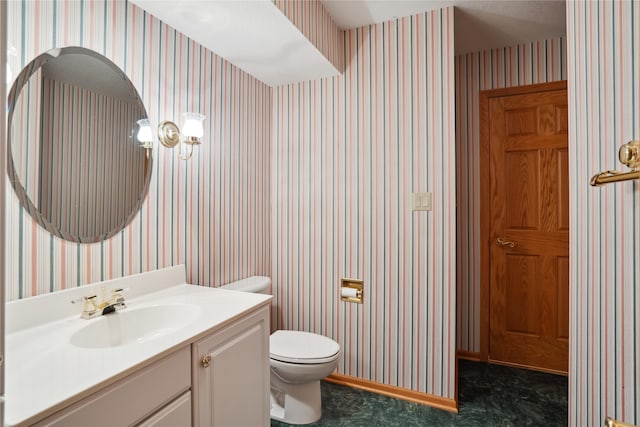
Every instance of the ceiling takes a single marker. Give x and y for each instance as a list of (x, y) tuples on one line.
[(479, 24), (256, 37), (253, 35)]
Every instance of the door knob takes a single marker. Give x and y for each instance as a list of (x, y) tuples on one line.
[(502, 243)]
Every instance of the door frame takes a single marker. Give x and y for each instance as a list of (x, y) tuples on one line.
[(485, 188)]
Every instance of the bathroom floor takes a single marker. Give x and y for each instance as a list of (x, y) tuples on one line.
[(490, 395)]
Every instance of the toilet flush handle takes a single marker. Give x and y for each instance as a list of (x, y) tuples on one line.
[(206, 361)]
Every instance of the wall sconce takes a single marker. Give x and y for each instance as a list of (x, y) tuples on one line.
[(192, 131), (144, 135)]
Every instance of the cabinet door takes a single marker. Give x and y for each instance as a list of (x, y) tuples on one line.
[(231, 387)]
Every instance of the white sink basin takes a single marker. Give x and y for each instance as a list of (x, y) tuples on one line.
[(138, 325)]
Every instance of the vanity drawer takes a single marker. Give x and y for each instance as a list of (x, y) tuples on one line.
[(176, 413), (131, 399)]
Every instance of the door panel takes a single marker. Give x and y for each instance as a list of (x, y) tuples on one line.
[(529, 207), (520, 122), (521, 275), (563, 298), (563, 190), (522, 189)]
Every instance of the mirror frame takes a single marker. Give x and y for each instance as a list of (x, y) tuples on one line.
[(20, 192)]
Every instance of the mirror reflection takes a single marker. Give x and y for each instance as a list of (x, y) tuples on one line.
[(74, 159)]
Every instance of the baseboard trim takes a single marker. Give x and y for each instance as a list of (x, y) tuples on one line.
[(469, 355), (529, 367), (450, 405)]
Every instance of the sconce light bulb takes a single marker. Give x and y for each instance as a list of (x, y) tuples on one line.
[(193, 125), (145, 135)]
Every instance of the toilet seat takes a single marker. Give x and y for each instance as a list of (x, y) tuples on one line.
[(302, 347)]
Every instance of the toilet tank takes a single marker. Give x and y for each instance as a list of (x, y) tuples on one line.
[(255, 284)]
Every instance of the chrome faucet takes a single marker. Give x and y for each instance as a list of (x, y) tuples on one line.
[(93, 308)]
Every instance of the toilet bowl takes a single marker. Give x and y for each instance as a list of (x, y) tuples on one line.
[(299, 360)]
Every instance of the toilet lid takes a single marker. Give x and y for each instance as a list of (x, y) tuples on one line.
[(302, 347)]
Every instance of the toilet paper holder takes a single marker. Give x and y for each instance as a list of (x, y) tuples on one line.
[(352, 290)]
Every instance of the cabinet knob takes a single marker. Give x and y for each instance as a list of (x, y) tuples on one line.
[(206, 361)]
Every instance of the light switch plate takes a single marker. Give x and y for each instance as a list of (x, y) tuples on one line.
[(421, 201)]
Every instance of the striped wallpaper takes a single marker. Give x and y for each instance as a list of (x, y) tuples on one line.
[(347, 152), (90, 184), (315, 23), (524, 64), (603, 41), (211, 212)]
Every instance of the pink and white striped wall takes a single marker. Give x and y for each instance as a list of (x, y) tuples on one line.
[(315, 23), (525, 64), (603, 42), (211, 212), (347, 152)]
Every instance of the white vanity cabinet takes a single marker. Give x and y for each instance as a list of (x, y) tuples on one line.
[(230, 377), (221, 380), (141, 366)]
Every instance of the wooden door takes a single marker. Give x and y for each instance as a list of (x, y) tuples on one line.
[(529, 229)]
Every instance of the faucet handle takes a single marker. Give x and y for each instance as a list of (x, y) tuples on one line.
[(85, 299), (117, 299), (120, 290), (90, 303), (89, 309)]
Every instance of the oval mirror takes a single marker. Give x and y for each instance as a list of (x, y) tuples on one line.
[(73, 157)]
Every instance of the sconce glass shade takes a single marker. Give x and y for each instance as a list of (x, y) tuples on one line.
[(192, 127), (145, 135)]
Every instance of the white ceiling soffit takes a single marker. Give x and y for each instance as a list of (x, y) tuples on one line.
[(253, 35), (479, 24)]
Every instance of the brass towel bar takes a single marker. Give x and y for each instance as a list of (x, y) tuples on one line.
[(629, 155), (607, 177), (610, 422)]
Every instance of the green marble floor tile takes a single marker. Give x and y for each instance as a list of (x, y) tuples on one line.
[(489, 395)]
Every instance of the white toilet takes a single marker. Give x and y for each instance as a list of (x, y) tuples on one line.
[(299, 360)]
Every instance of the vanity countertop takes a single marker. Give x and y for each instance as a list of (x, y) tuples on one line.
[(45, 371)]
